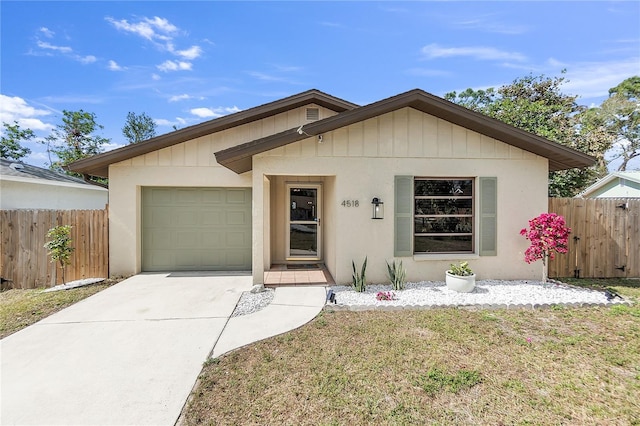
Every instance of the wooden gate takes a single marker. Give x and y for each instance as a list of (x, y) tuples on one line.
[(604, 240)]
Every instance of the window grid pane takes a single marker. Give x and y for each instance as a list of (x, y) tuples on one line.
[(443, 215)]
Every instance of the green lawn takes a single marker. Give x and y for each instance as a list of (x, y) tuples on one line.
[(21, 308), (439, 366)]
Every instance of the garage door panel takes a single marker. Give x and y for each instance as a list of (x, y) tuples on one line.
[(236, 217), (212, 217), (196, 229), (237, 197), (237, 240), (187, 240), (236, 258), (212, 196), (212, 240), (187, 196)]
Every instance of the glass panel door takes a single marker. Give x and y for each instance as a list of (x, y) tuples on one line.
[(304, 221)]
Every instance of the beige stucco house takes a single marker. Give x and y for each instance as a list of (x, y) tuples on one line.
[(293, 181)]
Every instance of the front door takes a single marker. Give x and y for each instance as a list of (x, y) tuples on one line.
[(303, 221)]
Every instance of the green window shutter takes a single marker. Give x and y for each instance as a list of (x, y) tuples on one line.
[(403, 216), (488, 216)]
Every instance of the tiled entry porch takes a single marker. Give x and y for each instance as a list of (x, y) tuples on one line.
[(280, 275)]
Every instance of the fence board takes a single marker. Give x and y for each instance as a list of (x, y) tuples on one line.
[(605, 237), (24, 260)]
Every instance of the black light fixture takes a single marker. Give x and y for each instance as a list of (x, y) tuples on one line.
[(378, 208)]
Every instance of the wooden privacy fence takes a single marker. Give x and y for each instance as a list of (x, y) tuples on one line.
[(604, 240), (24, 260)]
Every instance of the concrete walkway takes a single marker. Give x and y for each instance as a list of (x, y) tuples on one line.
[(131, 354)]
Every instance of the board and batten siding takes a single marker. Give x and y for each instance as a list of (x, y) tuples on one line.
[(406, 133)]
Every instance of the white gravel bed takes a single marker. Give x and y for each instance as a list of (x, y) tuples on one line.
[(486, 292), (253, 302)]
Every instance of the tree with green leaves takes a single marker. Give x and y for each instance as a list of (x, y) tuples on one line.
[(13, 136), (139, 127), (59, 247), (74, 139), (537, 105), (620, 113)]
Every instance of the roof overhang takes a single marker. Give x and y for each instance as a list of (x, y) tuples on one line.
[(239, 158), (98, 165)]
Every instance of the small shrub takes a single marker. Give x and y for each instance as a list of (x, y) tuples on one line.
[(462, 269), (397, 275), (59, 246), (359, 279)]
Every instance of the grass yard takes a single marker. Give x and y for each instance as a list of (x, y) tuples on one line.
[(21, 308), (438, 366)]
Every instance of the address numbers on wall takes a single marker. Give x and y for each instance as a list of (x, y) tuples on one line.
[(350, 203)]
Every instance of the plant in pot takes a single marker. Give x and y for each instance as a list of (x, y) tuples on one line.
[(460, 278)]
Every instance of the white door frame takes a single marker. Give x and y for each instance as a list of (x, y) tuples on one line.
[(317, 221)]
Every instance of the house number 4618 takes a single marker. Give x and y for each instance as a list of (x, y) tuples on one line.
[(350, 203)]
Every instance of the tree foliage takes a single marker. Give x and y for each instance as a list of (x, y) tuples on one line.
[(74, 139), (12, 138), (620, 113), (138, 127), (537, 105)]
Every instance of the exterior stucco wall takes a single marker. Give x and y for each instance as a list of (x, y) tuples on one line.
[(35, 194), (363, 160), (189, 164)]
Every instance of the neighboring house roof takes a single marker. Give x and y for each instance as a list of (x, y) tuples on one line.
[(611, 180), (239, 158), (98, 165), (17, 171)]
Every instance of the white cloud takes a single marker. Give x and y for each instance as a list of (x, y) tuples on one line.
[(203, 112), (215, 112), (152, 29), (159, 31), (167, 66), (190, 53), (113, 66), (594, 79), (46, 32), (49, 46), (177, 98), (17, 109), (433, 51), (89, 59), (155, 77)]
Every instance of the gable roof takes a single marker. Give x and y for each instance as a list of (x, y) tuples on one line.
[(633, 176), (17, 171), (239, 158), (98, 165)]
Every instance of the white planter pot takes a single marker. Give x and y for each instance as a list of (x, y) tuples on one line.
[(460, 284)]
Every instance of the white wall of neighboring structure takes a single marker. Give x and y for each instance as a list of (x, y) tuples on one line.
[(35, 194)]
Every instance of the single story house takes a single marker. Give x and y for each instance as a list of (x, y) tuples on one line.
[(615, 185), (23, 186), (293, 181)]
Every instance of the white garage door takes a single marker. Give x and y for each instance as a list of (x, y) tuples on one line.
[(196, 229)]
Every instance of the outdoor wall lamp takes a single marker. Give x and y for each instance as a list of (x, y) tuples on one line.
[(378, 209)]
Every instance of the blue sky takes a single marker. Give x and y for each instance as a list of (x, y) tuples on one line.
[(183, 63)]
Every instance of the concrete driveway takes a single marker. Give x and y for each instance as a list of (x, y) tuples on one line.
[(128, 355)]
